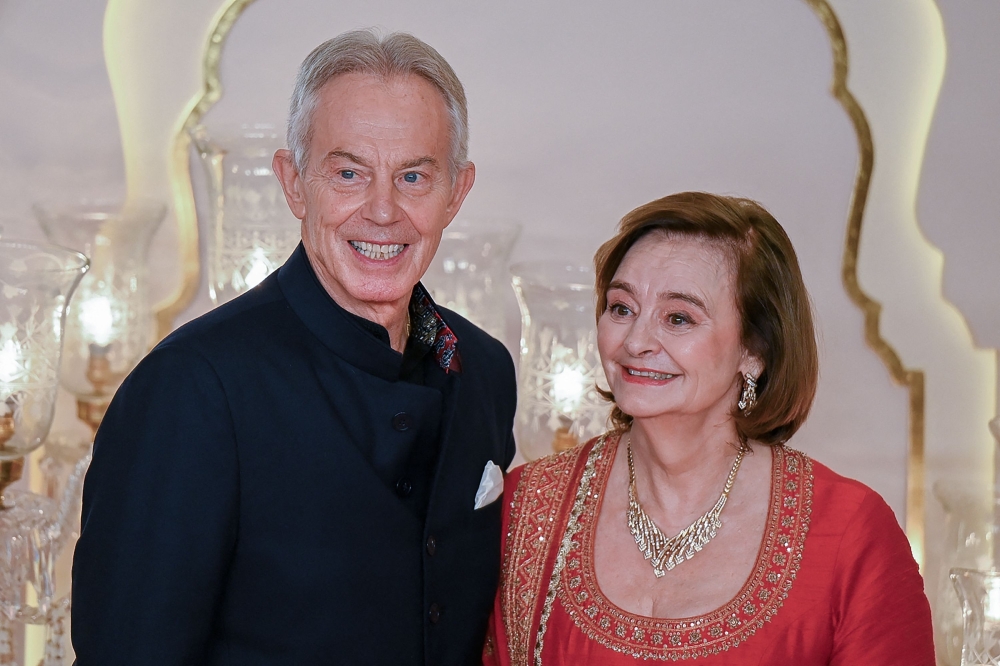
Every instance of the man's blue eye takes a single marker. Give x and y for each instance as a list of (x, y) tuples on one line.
[(410, 177), (347, 174)]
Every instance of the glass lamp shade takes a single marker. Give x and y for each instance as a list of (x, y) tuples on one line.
[(979, 594), (971, 530), (558, 405), (249, 229), (108, 328), (469, 272), (36, 282)]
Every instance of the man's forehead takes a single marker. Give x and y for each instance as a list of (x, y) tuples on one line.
[(362, 88), (366, 119)]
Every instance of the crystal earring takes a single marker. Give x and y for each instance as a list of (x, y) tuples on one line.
[(749, 397)]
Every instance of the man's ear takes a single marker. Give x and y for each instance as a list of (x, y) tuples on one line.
[(464, 180), (291, 182)]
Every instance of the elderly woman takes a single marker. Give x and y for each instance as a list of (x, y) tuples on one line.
[(690, 530)]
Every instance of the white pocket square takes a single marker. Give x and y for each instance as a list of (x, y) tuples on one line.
[(490, 487)]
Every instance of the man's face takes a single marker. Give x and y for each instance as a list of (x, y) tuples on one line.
[(377, 191)]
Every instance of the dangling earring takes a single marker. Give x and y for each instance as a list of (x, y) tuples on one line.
[(749, 397)]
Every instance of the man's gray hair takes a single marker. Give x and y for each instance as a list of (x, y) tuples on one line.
[(388, 56)]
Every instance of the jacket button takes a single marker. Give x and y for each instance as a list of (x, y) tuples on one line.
[(434, 614), (402, 421), (432, 545), (404, 487)]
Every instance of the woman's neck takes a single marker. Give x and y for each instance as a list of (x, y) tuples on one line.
[(680, 464)]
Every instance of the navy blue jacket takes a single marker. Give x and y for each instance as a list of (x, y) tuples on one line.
[(231, 514)]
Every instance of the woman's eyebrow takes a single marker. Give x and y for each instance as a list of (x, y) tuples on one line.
[(683, 296), (624, 286)]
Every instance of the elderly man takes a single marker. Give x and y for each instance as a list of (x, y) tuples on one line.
[(304, 475)]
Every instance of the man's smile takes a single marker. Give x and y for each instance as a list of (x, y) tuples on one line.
[(378, 252)]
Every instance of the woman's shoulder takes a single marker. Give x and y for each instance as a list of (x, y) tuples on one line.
[(546, 480), (555, 465), (857, 552), (835, 495), (846, 512)]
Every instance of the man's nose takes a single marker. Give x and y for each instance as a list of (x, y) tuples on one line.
[(382, 205), (641, 338)]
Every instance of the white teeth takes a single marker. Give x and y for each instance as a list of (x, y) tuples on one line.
[(376, 251), (647, 373)]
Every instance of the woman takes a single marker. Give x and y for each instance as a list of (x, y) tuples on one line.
[(690, 531)]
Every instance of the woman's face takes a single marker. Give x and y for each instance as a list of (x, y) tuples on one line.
[(670, 336)]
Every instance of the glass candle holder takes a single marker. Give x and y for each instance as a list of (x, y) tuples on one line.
[(36, 282), (109, 324), (469, 272), (979, 594), (248, 228), (559, 371)]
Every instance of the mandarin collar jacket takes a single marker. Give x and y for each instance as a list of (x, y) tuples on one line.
[(233, 513)]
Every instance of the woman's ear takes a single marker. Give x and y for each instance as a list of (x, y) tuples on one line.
[(751, 365)]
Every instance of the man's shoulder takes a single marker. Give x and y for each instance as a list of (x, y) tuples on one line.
[(249, 319)]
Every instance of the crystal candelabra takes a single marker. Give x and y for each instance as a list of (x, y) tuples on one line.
[(469, 272), (967, 625), (559, 370), (979, 593), (109, 324), (36, 282), (248, 227)]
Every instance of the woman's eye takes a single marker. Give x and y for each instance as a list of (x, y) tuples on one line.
[(347, 174), (411, 177), (620, 310), (678, 319)]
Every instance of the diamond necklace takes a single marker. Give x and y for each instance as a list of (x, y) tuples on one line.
[(666, 553)]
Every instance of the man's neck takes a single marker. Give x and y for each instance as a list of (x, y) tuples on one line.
[(394, 316)]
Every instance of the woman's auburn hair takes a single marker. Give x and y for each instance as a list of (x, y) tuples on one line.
[(771, 298)]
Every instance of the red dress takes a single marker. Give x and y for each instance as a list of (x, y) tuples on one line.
[(834, 581)]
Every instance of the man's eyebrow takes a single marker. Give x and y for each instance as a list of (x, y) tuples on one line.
[(419, 161), (350, 157), (682, 296)]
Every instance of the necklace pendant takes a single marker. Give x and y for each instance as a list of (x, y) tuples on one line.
[(666, 553)]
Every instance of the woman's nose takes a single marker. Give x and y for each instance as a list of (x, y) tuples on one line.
[(641, 338), (381, 206)]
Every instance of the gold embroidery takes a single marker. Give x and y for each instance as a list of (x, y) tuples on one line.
[(763, 594), (568, 544), (534, 507)]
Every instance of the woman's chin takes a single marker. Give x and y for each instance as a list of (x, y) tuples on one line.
[(640, 410)]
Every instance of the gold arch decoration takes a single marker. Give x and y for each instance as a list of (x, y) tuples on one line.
[(180, 169), (913, 380)]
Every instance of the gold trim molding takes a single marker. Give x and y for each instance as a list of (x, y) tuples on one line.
[(180, 169), (913, 380)]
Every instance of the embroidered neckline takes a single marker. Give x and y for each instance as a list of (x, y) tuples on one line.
[(778, 560)]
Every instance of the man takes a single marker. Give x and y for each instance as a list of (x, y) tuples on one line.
[(291, 478)]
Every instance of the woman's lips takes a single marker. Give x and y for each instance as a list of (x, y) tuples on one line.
[(646, 376)]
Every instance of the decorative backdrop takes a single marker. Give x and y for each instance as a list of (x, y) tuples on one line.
[(581, 111)]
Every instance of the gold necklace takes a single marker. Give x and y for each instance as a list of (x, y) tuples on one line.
[(666, 553)]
